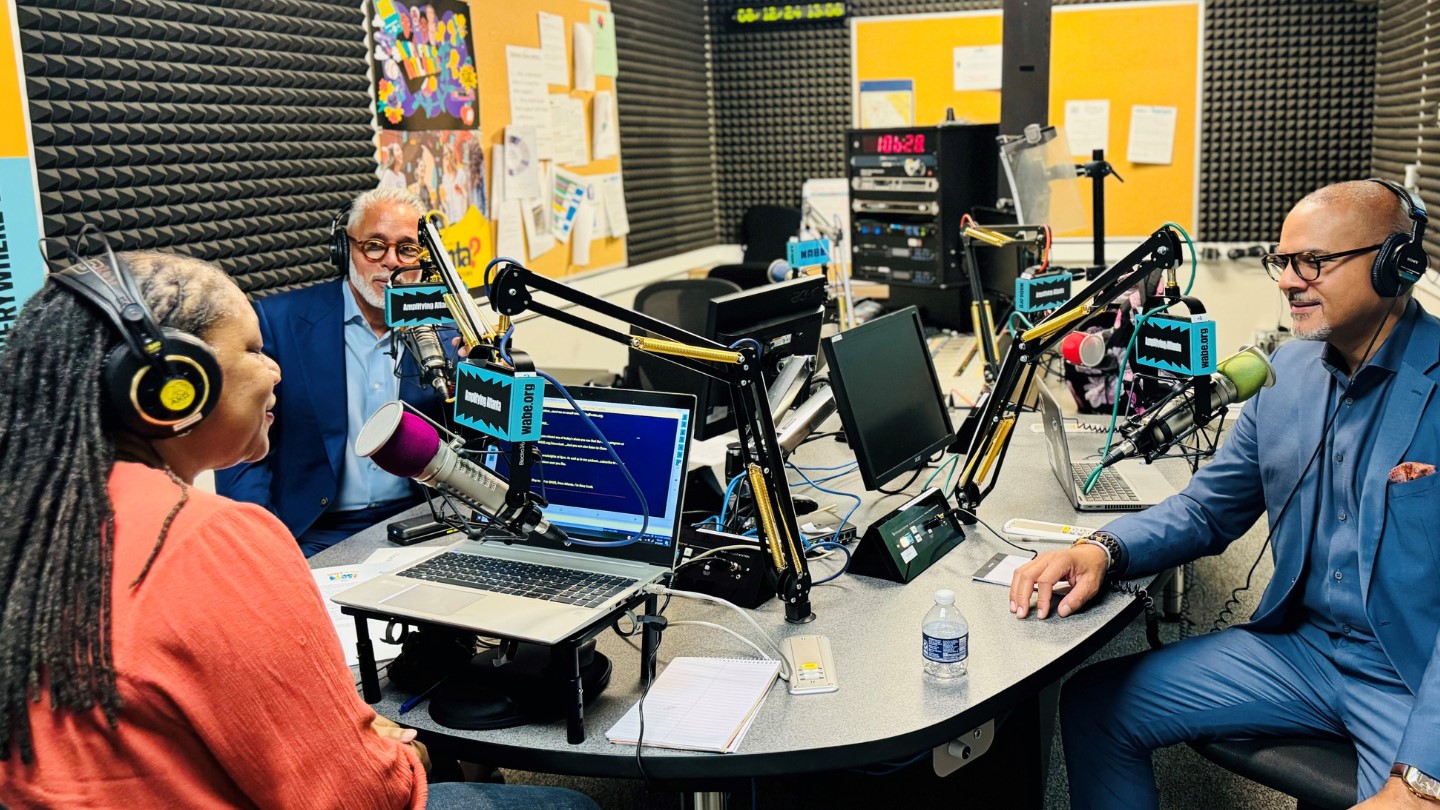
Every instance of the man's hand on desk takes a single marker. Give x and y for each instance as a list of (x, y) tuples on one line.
[(390, 730), (1082, 566)]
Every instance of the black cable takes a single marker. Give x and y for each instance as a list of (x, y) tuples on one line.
[(640, 737), (1227, 611), (1032, 552), (908, 482)]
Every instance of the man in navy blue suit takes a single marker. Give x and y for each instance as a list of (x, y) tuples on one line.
[(338, 360), (1340, 457)]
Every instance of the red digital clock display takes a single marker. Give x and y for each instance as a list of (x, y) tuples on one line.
[(908, 144)]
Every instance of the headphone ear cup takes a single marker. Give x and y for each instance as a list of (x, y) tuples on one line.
[(340, 248), (1411, 261), (1384, 271), (158, 406)]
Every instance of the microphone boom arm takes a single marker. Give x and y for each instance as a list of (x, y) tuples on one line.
[(510, 293), (989, 425)]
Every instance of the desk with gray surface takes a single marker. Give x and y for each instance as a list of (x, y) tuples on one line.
[(886, 709)]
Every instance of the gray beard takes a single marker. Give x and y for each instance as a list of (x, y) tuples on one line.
[(366, 291)]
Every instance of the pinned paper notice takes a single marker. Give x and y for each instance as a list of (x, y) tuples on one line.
[(570, 190), (978, 67), (510, 238), (567, 122), (606, 139), (584, 57), (612, 196), (522, 164), (537, 228), (1152, 135), (529, 95), (1087, 126), (580, 240), (607, 61), (552, 45)]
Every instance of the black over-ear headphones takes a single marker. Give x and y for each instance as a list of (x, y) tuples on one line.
[(1401, 260), (159, 382), (340, 239)]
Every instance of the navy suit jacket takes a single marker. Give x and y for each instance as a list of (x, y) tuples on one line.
[(1258, 466), (303, 331)]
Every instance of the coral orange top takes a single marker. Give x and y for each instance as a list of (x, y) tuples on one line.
[(235, 689)]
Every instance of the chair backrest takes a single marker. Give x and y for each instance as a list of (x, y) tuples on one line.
[(684, 303), (765, 229)]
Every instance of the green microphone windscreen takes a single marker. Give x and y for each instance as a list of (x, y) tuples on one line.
[(1249, 370)]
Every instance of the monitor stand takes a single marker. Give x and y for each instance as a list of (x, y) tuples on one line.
[(530, 687)]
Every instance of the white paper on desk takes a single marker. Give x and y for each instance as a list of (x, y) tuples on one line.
[(977, 67), (584, 230), (1087, 125), (584, 57), (336, 579), (567, 124), (700, 704), (522, 164), (552, 45), (537, 227), (1152, 135), (510, 233), (529, 94), (612, 197), (605, 138)]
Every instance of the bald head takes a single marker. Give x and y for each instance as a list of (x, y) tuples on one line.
[(1376, 211)]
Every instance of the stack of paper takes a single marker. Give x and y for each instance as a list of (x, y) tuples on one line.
[(700, 704), (338, 578)]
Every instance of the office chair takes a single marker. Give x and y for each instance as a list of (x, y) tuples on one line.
[(1318, 771), (764, 230), (684, 303)]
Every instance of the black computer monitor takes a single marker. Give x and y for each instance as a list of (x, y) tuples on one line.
[(888, 395), (784, 318)]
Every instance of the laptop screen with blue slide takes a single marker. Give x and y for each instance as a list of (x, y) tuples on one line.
[(589, 496)]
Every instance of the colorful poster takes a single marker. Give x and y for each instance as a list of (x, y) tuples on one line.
[(424, 65), (21, 270), (446, 170)]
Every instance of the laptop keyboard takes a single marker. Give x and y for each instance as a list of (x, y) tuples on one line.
[(1109, 487), (563, 585)]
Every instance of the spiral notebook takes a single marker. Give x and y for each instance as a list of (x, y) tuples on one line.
[(700, 704)]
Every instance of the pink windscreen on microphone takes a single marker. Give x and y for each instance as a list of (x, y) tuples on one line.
[(413, 444)]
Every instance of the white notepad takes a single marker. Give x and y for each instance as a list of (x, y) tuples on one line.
[(700, 704)]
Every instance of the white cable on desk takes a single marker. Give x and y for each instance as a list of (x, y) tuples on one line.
[(784, 664), (705, 597)]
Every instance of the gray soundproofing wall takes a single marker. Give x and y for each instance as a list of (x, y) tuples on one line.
[(1407, 101), (228, 131), (1286, 95), (1289, 86), (667, 126)]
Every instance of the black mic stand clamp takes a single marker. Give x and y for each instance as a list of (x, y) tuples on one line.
[(1097, 169)]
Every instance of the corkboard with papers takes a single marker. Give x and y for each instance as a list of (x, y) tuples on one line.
[(1130, 68)]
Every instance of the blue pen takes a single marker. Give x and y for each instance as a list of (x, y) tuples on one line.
[(414, 701)]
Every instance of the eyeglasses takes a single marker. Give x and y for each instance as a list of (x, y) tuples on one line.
[(1307, 264), (375, 249)]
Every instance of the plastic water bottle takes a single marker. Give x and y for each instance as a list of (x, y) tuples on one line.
[(946, 637)]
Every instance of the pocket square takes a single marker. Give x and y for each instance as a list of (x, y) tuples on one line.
[(1409, 471)]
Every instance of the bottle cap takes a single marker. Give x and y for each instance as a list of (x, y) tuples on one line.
[(944, 596)]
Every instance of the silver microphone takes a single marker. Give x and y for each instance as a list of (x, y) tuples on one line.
[(430, 354)]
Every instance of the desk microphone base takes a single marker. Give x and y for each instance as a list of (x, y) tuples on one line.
[(529, 689)]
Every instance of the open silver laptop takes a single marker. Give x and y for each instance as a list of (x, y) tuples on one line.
[(544, 592), (1128, 486)]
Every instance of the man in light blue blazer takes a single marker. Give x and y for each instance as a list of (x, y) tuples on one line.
[(337, 361), (1340, 457)]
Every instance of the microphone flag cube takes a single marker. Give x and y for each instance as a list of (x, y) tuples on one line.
[(499, 403), (1042, 292), (807, 253), (1184, 344), (417, 305)]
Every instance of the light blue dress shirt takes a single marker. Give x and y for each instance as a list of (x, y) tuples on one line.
[(1332, 594), (370, 382)]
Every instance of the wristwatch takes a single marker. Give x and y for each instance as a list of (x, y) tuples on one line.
[(1420, 783), (1107, 541)]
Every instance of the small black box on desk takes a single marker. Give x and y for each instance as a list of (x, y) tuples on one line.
[(738, 575)]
